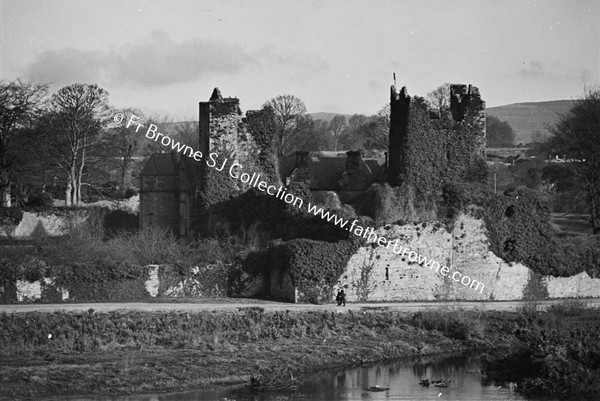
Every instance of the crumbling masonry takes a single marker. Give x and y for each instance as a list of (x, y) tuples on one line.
[(450, 144)]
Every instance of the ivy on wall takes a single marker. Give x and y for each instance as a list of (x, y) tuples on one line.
[(518, 228), (424, 159), (262, 126), (314, 266)]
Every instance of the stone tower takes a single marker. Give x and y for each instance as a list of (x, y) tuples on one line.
[(466, 105), (219, 121), (399, 114)]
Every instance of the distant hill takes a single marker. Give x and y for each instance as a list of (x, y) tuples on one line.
[(525, 118), (328, 116)]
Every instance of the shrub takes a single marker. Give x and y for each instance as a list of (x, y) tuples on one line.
[(459, 196), (31, 269), (43, 199), (518, 228), (10, 216), (120, 220), (570, 307), (314, 266)]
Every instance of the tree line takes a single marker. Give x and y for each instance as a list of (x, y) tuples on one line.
[(70, 137)]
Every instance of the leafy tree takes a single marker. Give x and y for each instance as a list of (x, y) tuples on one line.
[(577, 136), (498, 133), (291, 121), (20, 104), (77, 115)]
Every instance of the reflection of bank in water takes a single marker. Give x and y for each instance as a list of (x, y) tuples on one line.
[(400, 380)]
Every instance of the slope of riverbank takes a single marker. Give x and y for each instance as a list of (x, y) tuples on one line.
[(70, 353)]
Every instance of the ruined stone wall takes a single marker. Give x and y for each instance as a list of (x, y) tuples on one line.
[(208, 281), (44, 224), (379, 274), (423, 151)]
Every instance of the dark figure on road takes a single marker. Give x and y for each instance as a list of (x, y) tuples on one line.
[(341, 297)]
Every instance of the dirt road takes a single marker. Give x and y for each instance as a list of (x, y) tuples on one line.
[(231, 304)]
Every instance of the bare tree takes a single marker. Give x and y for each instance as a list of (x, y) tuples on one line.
[(78, 114), (354, 136), (291, 120), (187, 132), (20, 104), (377, 130), (166, 126), (336, 128), (439, 98), (577, 136), (126, 143)]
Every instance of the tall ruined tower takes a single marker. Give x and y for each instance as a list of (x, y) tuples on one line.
[(466, 106), (219, 121), (220, 125), (426, 150), (399, 114)]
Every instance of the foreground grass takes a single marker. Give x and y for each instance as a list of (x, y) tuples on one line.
[(559, 352), (44, 354)]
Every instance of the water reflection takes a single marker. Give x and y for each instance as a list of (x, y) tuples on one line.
[(461, 372)]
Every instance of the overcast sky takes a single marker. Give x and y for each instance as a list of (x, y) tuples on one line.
[(337, 56)]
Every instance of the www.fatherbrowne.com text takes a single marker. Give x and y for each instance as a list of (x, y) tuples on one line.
[(235, 171)]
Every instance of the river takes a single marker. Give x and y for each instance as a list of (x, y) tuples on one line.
[(461, 372)]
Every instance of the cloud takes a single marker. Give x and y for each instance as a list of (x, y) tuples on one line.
[(66, 65), (160, 61), (299, 60), (156, 61), (535, 69)]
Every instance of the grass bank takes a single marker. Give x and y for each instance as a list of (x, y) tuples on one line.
[(558, 354), (50, 354)]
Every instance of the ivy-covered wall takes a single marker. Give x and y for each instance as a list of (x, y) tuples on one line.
[(311, 267), (425, 162), (429, 149), (519, 230)]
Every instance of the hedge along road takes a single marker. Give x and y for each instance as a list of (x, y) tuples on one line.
[(279, 306)]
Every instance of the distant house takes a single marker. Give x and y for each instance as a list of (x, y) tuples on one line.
[(334, 171)]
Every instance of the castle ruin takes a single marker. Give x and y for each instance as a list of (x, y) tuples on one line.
[(177, 194)]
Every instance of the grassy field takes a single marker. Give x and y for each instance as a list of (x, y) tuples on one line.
[(568, 224), (525, 118)]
